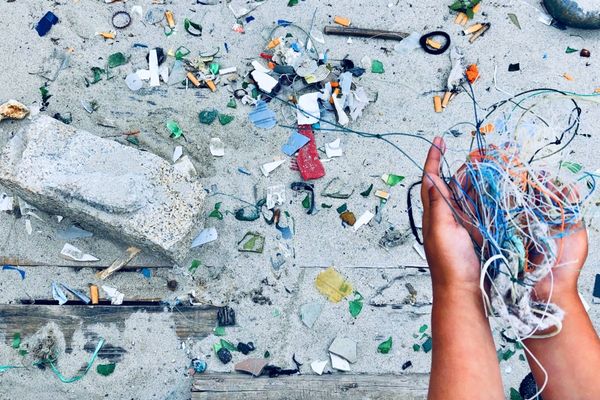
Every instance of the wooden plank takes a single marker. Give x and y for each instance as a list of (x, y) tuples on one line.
[(310, 387), (195, 322), (23, 262)]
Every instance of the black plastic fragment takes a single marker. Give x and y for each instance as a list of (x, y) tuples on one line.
[(224, 355), (226, 316), (245, 348)]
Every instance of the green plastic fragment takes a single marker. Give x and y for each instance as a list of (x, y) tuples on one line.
[(571, 166), (306, 202), (515, 395), (423, 328), (416, 347), (214, 68), (392, 179), (428, 344), (377, 67), (208, 116), (292, 3), (219, 331), (106, 369), (255, 93), (45, 94), (224, 119), (181, 52), (355, 306), (192, 27), (570, 50), (385, 347), (367, 192), (16, 341), (133, 140), (252, 242), (194, 266), (217, 347), (97, 71), (23, 352), (522, 357), (267, 354), (325, 205), (507, 354), (228, 345), (174, 128), (342, 208), (514, 19), (216, 213), (117, 59), (231, 103)]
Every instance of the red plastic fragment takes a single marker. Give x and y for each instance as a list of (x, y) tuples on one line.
[(308, 157), (266, 56)]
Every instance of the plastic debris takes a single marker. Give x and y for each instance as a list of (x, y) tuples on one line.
[(71, 252), (308, 108), (309, 201), (385, 347), (208, 116), (133, 81), (253, 366), (198, 365), (318, 366), (192, 27), (117, 59), (337, 189), (153, 68), (194, 266), (177, 153), (245, 348), (58, 294), (309, 313), (333, 285), (262, 116), (13, 268), (345, 348), (46, 23), (205, 236), (106, 369), (334, 149), (216, 212), (355, 306), (308, 160), (596, 290), (16, 341), (407, 365), (265, 82), (73, 232), (226, 316), (224, 119), (269, 167), (364, 219), (252, 242), (217, 147), (224, 355), (185, 167), (295, 142), (115, 297), (12, 109), (174, 128), (119, 263), (377, 67), (408, 44), (339, 363)]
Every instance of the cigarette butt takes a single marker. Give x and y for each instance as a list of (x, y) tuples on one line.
[(464, 20), (211, 85), (94, 294), (108, 35), (335, 93), (472, 28), (568, 77), (477, 8), (170, 19), (341, 20), (193, 79), (459, 18), (335, 84), (382, 194), (480, 32), (446, 99), (597, 90), (437, 104), (432, 43), (274, 43)]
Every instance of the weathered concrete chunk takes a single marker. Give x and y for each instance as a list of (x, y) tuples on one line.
[(133, 196)]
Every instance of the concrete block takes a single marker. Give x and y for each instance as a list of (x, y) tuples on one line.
[(133, 196)]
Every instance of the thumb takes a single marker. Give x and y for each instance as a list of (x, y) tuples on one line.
[(439, 201)]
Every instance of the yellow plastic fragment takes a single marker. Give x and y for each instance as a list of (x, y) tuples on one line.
[(333, 285)]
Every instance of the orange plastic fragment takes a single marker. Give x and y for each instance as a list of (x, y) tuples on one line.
[(108, 35), (337, 84), (271, 65), (472, 73), (341, 20)]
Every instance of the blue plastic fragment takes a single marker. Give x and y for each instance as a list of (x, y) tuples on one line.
[(226, 47), (262, 116), (249, 18), (13, 268), (140, 45), (244, 171), (295, 142), (283, 22), (199, 365), (596, 292), (147, 272), (46, 23), (296, 47)]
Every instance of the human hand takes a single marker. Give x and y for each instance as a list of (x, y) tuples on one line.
[(448, 246)]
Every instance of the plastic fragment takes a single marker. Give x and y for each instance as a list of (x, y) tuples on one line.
[(216, 212), (339, 363), (308, 109), (71, 252), (385, 347), (570, 50), (224, 119), (407, 365), (208, 116), (334, 149), (73, 232), (117, 59), (364, 219), (309, 313), (269, 167), (333, 285), (345, 348), (245, 348), (308, 160), (205, 236), (377, 67), (265, 82), (231, 103), (16, 340), (391, 179), (13, 268), (367, 191), (46, 23), (194, 266), (217, 147), (153, 63), (252, 242), (428, 344), (262, 116), (596, 290), (198, 365), (58, 294), (133, 81), (294, 143), (106, 369), (174, 128), (116, 297), (177, 153), (318, 366), (355, 306), (192, 27), (185, 167)]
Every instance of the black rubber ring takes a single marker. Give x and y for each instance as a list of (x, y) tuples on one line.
[(118, 13), (430, 50)]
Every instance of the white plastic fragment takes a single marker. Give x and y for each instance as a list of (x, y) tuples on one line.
[(71, 252), (339, 363), (341, 114), (58, 294), (420, 250), (153, 62), (217, 148), (144, 74), (259, 67), (308, 108), (137, 10), (185, 167), (408, 44), (318, 366), (177, 153), (265, 82), (73, 232), (206, 236), (227, 71), (164, 72), (275, 195), (114, 295), (133, 81), (28, 227), (6, 202), (269, 167), (345, 348), (363, 220), (334, 149)]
